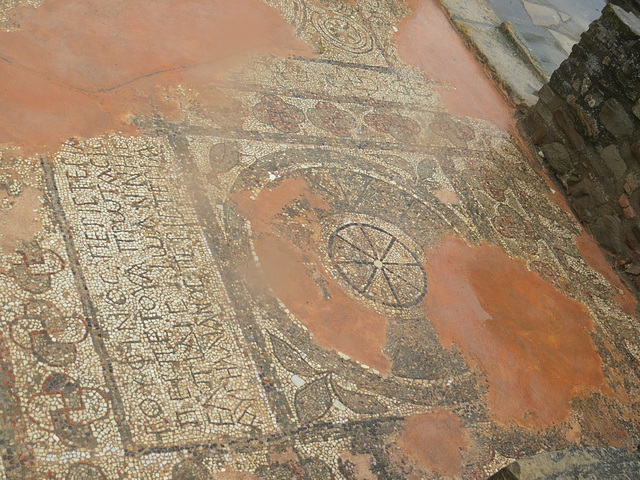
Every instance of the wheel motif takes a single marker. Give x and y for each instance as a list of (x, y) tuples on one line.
[(377, 265)]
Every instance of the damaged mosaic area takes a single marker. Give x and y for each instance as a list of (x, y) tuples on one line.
[(267, 288)]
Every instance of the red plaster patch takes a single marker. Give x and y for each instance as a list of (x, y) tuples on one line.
[(434, 442), (427, 40), (532, 341), (80, 67)]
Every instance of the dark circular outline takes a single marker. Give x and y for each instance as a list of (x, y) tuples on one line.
[(332, 238), (319, 22)]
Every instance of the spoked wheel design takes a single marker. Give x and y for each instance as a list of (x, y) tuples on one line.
[(378, 265)]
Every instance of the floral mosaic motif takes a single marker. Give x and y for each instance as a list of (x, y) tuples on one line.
[(291, 359), (47, 334), (36, 268), (279, 114), (223, 157), (314, 399), (489, 181), (328, 117), (190, 470), (454, 131), (282, 469), (547, 273), (510, 224), (317, 469), (68, 410), (401, 128), (358, 402)]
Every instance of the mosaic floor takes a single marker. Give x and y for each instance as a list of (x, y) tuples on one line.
[(308, 267)]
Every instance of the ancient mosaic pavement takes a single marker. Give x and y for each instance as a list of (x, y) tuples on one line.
[(248, 292)]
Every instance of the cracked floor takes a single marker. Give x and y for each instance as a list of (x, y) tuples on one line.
[(274, 239)]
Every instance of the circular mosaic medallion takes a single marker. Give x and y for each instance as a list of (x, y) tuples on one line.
[(378, 265), (344, 33)]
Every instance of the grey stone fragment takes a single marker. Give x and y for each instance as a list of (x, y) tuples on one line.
[(541, 14), (615, 119), (631, 184), (606, 230), (565, 42), (558, 157), (581, 463), (632, 269), (564, 16), (593, 99), (612, 159), (584, 206)]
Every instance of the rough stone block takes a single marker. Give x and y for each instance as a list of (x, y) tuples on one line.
[(594, 99), (606, 230), (635, 150), (588, 123), (615, 119), (623, 201), (584, 207), (614, 162), (587, 195), (625, 24), (631, 184), (558, 157), (628, 212), (546, 94), (566, 124)]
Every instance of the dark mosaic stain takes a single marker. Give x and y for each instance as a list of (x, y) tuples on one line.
[(416, 352)]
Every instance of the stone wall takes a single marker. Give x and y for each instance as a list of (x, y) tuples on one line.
[(632, 6), (586, 125)]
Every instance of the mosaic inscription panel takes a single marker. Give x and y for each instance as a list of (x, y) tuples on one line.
[(171, 336)]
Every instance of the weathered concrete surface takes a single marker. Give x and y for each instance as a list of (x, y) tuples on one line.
[(522, 42), (480, 27)]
